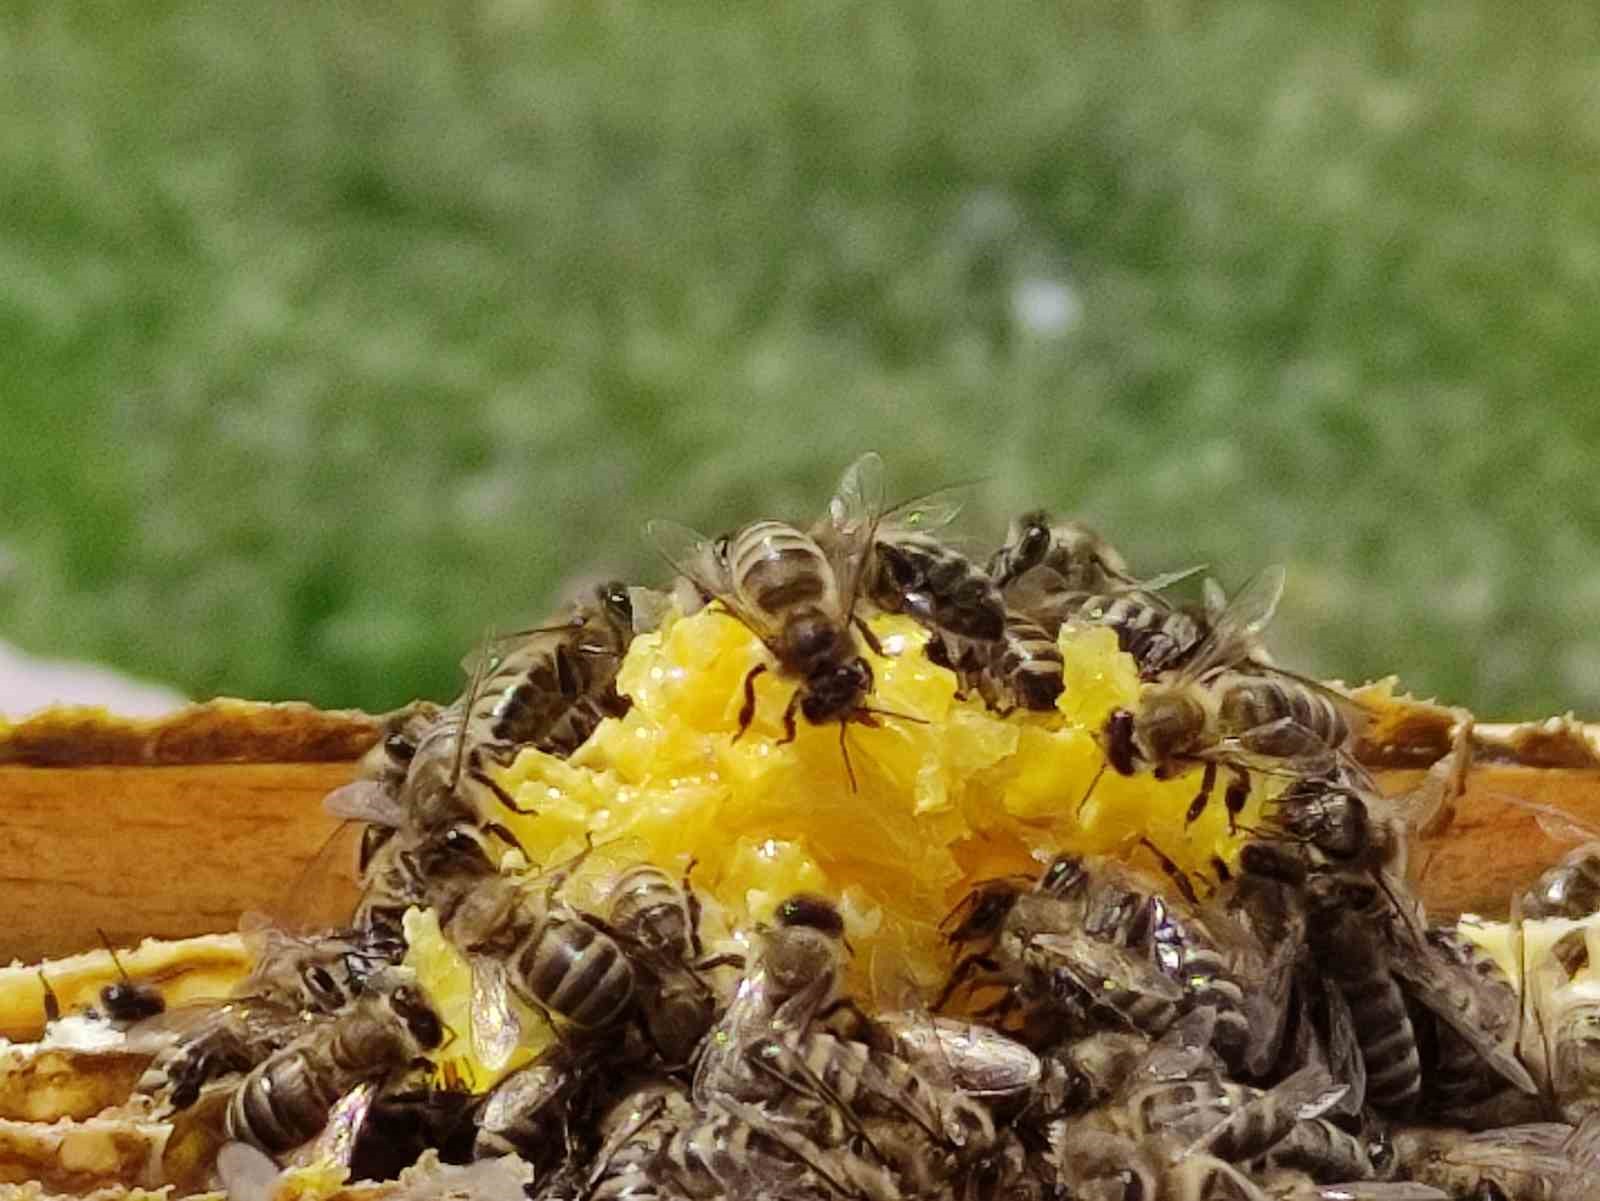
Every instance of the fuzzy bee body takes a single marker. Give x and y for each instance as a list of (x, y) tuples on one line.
[(285, 1101)]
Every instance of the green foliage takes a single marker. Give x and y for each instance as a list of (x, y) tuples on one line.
[(335, 333)]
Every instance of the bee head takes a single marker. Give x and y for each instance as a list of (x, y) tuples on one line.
[(1122, 752), (983, 912), (412, 1008), (323, 991), (1064, 875), (833, 693), (1026, 546), (810, 910), (129, 1003), (615, 603)]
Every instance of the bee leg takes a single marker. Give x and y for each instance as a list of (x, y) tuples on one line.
[(730, 959), (501, 795), (695, 911), (788, 717), (52, 1003), (1176, 874), (868, 636), (1235, 796), (964, 971), (747, 711), (1208, 781)]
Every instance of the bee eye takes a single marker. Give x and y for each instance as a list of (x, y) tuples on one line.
[(323, 985), (1034, 542), (399, 748)]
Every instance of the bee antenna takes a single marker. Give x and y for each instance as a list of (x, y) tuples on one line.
[(112, 951), (844, 750), (911, 717), (1093, 784)]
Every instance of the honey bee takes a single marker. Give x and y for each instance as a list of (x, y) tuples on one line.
[(523, 940), (658, 919), (1022, 670), (1515, 1163), (296, 983), (1326, 1153), (1084, 561), (795, 975), (1160, 637), (799, 600), (124, 1002), (527, 1113), (551, 686), (285, 1101), (659, 1146), (904, 568), (1037, 944), (1212, 715)]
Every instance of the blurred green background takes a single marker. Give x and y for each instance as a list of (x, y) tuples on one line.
[(331, 334)]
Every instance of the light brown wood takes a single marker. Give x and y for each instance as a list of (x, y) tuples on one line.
[(164, 851)]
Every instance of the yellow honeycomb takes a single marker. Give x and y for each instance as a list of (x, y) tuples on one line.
[(949, 795)]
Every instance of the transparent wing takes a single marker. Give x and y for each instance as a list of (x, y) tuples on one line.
[(1238, 623), (1437, 983), (1098, 965), (247, 1174), (1182, 1051), (1370, 1190), (337, 1142), (697, 559), (858, 502), (750, 1011), (365, 801), (1166, 579), (1556, 822), (496, 1028)]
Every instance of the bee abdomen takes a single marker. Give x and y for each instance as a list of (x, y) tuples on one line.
[(1322, 1151), (578, 972), (1388, 1045), (1030, 664), (281, 1105), (777, 568)]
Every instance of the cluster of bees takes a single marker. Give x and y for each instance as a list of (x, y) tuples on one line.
[(1294, 1028)]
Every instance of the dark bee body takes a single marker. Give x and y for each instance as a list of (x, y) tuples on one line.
[(1056, 954), (1327, 1153), (550, 688), (778, 582), (528, 1113), (285, 1101), (1275, 715), (919, 575), (124, 1002), (795, 974), (1022, 670), (1345, 943), (573, 969), (1085, 562), (552, 957), (1455, 1074), (658, 919), (1158, 637)]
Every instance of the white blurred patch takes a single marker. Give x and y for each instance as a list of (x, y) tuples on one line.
[(1046, 308), (28, 684)]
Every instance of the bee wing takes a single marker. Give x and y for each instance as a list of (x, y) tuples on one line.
[(1161, 581), (694, 557), (858, 501), (337, 1142), (927, 513), (748, 1014), (1236, 624), (543, 1082), (496, 1029), (1183, 1050), (1557, 822), (367, 801), (1344, 1050), (1436, 983), (1094, 964), (1042, 588), (247, 1174)]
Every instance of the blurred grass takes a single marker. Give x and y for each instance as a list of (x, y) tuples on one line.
[(334, 333)]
